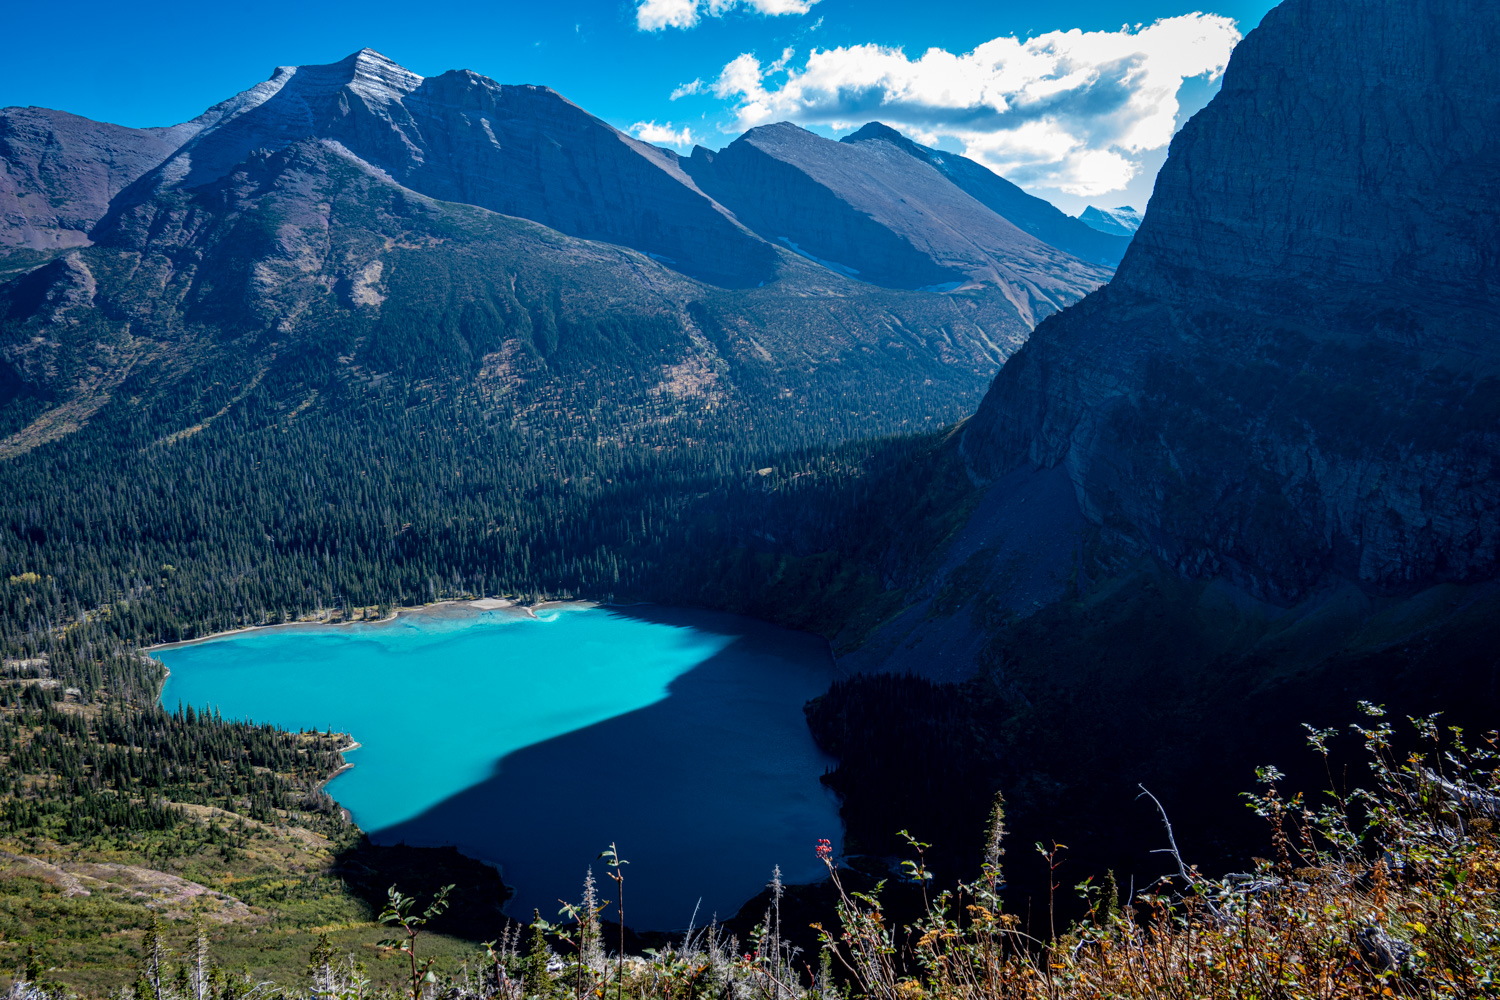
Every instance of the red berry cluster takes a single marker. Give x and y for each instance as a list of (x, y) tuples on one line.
[(825, 850)]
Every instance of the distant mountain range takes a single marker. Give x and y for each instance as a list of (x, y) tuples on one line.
[(316, 198), (526, 151), (1122, 221)]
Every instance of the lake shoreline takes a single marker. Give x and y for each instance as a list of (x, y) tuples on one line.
[(346, 765), (479, 605)]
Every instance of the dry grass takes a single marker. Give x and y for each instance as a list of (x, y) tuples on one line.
[(1388, 890)]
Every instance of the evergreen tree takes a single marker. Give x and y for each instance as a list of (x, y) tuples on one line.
[(536, 980)]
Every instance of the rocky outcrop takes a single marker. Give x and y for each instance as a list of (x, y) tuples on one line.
[(1295, 374)]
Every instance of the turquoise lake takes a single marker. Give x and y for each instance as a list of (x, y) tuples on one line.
[(532, 743)]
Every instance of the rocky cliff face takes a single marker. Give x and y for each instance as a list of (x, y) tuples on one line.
[(1295, 375), (1252, 481)]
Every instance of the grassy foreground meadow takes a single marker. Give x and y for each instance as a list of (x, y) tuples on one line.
[(122, 823), (1388, 889)]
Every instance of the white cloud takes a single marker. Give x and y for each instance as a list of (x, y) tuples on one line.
[(654, 15), (1070, 110), (662, 135), (687, 89), (774, 8)]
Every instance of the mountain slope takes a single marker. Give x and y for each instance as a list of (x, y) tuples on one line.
[(1291, 388), (59, 172), (309, 246), (1040, 218), (312, 387), (1252, 481), (875, 212), (240, 223)]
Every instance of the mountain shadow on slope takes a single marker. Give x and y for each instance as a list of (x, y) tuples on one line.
[(1280, 423), (1147, 680)]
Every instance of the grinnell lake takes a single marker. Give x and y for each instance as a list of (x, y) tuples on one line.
[(532, 743)]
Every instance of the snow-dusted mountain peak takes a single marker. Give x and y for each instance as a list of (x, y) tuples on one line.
[(367, 73), (1121, 221), (377, 76)]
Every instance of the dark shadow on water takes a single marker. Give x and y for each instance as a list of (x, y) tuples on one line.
[(703, 791), (474, 911)]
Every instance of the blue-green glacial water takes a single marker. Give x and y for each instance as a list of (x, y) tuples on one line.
[(532, 743)]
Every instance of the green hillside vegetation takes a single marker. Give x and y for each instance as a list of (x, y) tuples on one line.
[(119, 822)]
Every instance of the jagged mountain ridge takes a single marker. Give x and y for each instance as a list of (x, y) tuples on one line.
[(528, 152)]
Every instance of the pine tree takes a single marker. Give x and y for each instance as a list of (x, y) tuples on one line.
[(537, 981), (320, 967)]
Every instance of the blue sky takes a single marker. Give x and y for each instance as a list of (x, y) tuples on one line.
[(1076, 118)]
